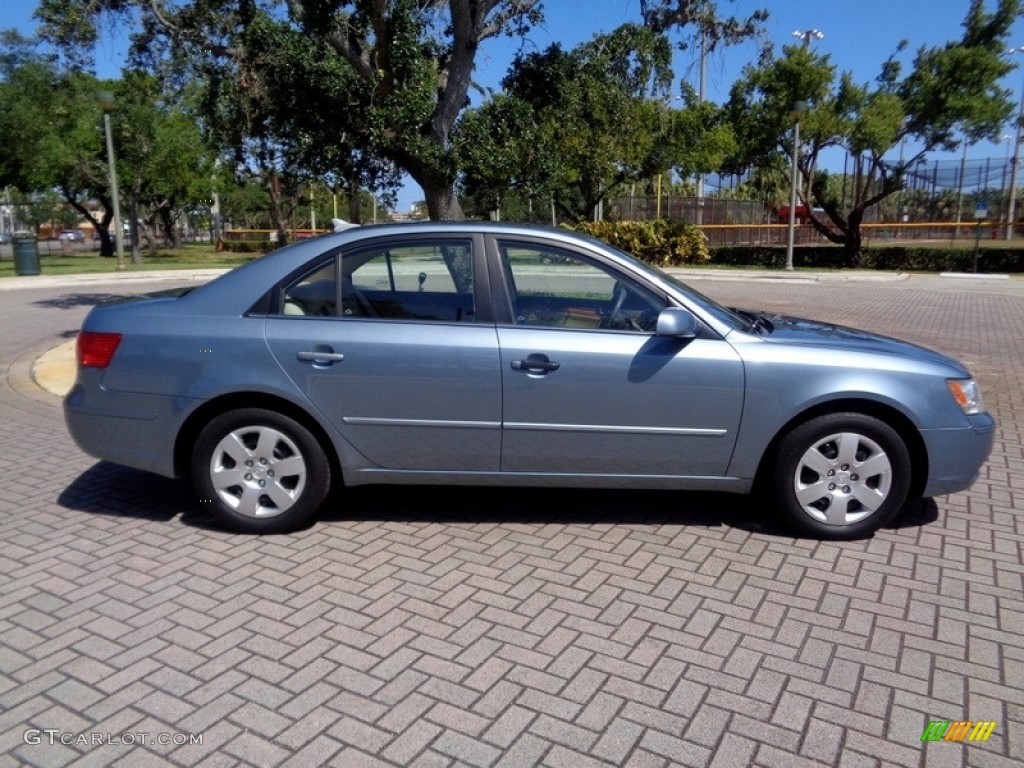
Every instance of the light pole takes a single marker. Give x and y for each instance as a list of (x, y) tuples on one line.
[(9, 225), (105, 99), (1014, 164), (797, 112), (1005, 138), (960, 188), (808, 35), (312, 209), (700, 96), (215, 208)]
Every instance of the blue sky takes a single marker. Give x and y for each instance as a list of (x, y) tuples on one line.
[(858, 34)]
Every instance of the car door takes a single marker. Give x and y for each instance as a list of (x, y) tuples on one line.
[(387, 343), (590, 389)]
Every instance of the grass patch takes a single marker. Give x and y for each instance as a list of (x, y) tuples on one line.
[(199, 256)]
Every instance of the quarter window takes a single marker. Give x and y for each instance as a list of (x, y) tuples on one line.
[(315, 294)]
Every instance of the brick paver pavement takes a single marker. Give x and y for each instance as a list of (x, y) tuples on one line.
[(455, 627)]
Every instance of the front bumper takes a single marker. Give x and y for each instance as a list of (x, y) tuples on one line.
[(955, 456)]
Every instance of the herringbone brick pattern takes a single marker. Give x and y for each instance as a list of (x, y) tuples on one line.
[(456, 627)]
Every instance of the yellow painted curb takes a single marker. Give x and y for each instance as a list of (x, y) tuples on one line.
[(54, 370)]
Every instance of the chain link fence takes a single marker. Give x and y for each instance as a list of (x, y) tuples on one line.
[(938, 201)]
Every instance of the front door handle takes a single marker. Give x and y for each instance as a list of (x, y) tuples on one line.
[(535, 362), (315, 356)]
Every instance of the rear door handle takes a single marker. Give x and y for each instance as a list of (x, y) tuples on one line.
[(535, 362), (320, 357)]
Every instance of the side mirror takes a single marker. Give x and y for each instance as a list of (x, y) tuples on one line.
[(677, 323)]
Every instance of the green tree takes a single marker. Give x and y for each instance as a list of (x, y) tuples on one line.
[(592, 123), (50, 122), (312, 98), (55, 140), (243, 203), (951, 91), (408, 67), (574, 127), (713, 29), (162, 160), (504, 163)]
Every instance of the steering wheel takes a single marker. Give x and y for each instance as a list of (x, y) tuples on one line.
[(350, 296), (619, 294)]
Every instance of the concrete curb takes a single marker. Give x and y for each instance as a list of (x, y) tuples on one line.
[(976, 275), (771, 276), (94, 278)]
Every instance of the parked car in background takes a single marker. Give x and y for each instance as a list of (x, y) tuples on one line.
[(5, 237), (493, 354), (72, 235)]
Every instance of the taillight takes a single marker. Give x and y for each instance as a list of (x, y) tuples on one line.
[(95, 350)]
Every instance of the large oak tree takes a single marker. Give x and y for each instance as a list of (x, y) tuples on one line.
[(409, 64)]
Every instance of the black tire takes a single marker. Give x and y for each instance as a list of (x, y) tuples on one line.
[(841, 476), (281, 490)]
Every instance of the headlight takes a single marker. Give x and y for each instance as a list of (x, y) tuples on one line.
[(967, 395)]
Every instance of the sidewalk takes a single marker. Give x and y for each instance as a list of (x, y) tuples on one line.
[(54, 370), (92, 278)]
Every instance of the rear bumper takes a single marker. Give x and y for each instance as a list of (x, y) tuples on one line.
[(130, 429), (955, 456)]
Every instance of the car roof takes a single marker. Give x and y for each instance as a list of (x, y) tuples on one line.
[(237, 290)]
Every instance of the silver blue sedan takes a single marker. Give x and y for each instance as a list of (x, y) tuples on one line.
[(491, 354)]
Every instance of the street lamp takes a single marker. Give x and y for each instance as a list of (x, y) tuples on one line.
[(808, 35), (799, 108), (105, 100), (700, 99), (797, 112), (1005, 139), (1014, 163)]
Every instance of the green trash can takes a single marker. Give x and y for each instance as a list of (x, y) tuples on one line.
[(26, 254)]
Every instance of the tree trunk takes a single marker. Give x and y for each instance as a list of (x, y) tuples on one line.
[(276, 214), (171, 234), (438, 187), (102, 226), (354, 215), (442, 202), (150, 233), (133, 225), (853, 242)]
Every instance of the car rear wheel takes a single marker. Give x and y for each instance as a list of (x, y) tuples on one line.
[(841, 475), (262, 472)]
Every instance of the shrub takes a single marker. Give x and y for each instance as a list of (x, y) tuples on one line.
[(890, 257), (662, 243), (246, 246)]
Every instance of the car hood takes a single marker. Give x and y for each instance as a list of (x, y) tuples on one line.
[(814, 333)]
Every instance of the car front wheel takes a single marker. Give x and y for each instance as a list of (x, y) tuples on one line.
[(841, 475), (261, 472)]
